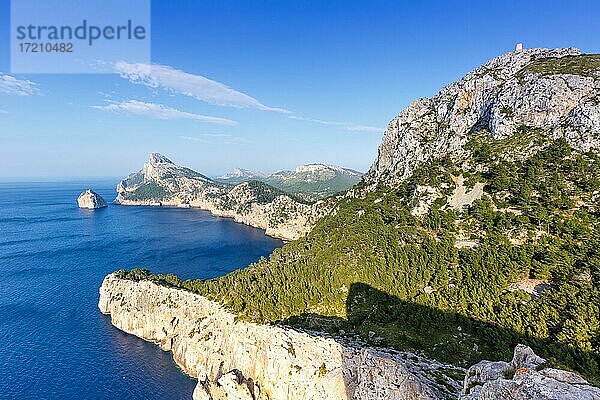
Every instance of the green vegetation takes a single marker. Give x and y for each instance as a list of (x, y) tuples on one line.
[(374, 267), (148, 191), (266, 193), (134, 179), (584, 65), (305, 186)]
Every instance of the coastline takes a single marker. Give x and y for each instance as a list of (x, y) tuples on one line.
[(208, 343), (286, 232)]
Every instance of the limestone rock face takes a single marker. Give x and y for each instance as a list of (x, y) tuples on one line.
[(163, 183), (519, 89), (234, 359), (520, 379), (90, 200), (230, 386)]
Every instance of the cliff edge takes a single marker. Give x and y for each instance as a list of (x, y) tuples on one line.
[(229, 355), (554, 91)]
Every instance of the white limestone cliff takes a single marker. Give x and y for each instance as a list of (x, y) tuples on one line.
[(235, 359), (518, 89), (90, 200)]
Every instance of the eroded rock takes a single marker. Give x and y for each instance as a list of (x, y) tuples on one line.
[(520, 379), (503, 96), (90, 200), (266, 361)]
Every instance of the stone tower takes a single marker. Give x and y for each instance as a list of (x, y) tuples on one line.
[(519, 47)]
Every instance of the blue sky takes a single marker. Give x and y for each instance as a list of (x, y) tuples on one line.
[(295, 82)]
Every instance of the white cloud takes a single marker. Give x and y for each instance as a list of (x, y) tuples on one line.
[(226, 139), (345, 125), (17, 87), (159, 111), (176, 81), (3, 111), (363, 128), (197, 86)]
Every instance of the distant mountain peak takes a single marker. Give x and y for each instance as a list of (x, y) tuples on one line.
[(310, 182), (321, 167), (242, 173), (157, 158)]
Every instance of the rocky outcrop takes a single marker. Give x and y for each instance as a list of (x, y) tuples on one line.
[(162, 183), (554, 91), (524, 378), (90, 200), (235, 359)]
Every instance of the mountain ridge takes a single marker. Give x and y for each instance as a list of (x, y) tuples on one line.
[(161, 182), (311, 182), (502, 96)]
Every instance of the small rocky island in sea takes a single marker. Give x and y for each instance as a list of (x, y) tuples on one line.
[(90, 200)]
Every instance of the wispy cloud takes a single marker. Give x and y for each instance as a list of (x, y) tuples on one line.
[(224, 139), (3, 111), (345, 125), (197, 86), (159, 111), (175, 81), (17, 87)]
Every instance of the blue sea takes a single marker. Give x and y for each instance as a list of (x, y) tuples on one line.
[(54, 343)]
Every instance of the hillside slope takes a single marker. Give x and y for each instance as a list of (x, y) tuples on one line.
[(240, 175), (476, 228), (311, 182), (314, 181)]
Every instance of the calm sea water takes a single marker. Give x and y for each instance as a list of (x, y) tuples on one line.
[(54, 343)]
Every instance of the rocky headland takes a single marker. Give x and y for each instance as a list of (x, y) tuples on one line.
[(163, 183), (236, 359), (266, 361)]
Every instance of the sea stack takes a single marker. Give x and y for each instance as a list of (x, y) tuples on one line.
[(90, 200)]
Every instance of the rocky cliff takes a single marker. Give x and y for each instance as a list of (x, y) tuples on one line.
[(241, 360), (524, 377), (90, 200), (161, 182), (236, 359), (554, 91)]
